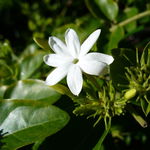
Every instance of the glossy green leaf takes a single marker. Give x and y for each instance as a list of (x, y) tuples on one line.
[(31, 89), (30, 63), (108, 7), (26, 122), (42, 43), (115, 38)]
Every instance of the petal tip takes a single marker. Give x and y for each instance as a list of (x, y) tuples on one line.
[(76, 93), (45, 59), (69, 30), (49, 83), (98, 31), (51, 41), (111, 60)]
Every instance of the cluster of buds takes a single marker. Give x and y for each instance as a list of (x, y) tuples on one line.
[(107, 104), (139, 80)]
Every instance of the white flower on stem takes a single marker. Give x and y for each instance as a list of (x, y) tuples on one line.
[(71, 59)]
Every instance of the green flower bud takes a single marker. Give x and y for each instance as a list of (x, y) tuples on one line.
[(130, 94)]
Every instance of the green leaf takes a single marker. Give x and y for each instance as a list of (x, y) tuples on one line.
[(108, 7), (42, 43), (115, 38), (98, 146), (123, 58), (30, 63), (31, 89), (145, 58), (145, 106), (26, 122), (148, 58), (130, 12), (29, 50), (5, 70), (37, 144), (62, 90), (2, 91)]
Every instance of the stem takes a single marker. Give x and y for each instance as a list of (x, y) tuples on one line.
[(136, 17), (99, 144)]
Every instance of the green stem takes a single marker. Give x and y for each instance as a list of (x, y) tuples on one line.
[(125, 22), (102, 138)]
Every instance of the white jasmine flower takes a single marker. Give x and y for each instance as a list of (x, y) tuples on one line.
[(71, 59)]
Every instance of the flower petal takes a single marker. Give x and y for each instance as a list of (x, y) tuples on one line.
[(73, 43), (108, 59), (57, 45), (89, 42), (56, 60), (92, 67), (57, 74), (74, 79)]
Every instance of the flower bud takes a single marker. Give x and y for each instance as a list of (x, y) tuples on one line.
[(130, 94)]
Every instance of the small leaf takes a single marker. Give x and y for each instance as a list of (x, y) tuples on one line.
[(27, 122), (130, 12), (108, 7), (145, 106), (2, 91), (32, 89), (30, 63), (5, 70), (145, 58), (115, 38), (62, 90), (42, 43), (148, 59)]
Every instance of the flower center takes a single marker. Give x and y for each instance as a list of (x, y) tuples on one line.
[(75, 61)]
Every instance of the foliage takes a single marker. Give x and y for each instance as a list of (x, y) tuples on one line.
[(33, 113)]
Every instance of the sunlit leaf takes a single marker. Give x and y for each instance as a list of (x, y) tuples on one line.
[(27, 122), (108, 7), (31, 89)]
